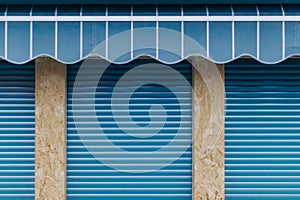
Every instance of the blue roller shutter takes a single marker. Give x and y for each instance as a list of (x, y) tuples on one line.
[(88, 178), (17, 131), (262, 136)]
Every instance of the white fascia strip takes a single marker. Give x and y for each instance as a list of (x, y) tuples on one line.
[(148, 18)]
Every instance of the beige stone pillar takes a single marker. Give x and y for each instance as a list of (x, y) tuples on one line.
[(50, 129), (208, 130)]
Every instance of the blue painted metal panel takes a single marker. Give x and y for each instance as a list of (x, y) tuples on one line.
[(2, 33), (262, 130), (18, 10), (220, 46), (93, 32), (43, 33), (245, 39), (17, 131), (292, 39), (169, 43), (219, 10), (141, 45), (199, 10), (270, 10), (195, 32), (68, 46), (169, 10), (89, 178), (68, 34), (244, 10), (18, 37), (124, 10), (119, 49), (144, 10), (271, 46), (93, 35)]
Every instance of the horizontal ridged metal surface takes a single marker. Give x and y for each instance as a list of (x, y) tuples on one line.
[(262, 136), (16, 131), (89, 178)]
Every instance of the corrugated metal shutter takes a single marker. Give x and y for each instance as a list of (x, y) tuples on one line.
[(88, 178), (262, 137), (17, 131)]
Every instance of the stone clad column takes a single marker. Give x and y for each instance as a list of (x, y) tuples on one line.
[(208, 130), (50, 129)]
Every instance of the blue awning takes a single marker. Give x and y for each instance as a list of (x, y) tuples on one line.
[(170, 34)]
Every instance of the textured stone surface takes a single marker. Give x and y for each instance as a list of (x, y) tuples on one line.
[(50, 135), (208, 130)]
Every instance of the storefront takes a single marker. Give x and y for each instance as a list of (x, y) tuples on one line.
[(137, 100)]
